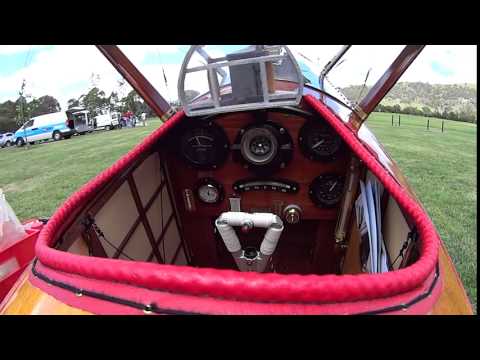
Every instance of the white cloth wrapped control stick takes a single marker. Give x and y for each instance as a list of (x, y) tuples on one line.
[(274, 226)]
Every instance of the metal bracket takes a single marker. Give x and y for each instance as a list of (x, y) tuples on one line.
[(235, 204), (361, 114)]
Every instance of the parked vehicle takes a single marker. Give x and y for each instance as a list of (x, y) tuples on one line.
[(107, 121), (6, 139), (80, 120), (49, 126)]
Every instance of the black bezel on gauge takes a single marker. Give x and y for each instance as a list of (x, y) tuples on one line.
[(317, 182), (214, 183), (281, 139), (307, 130), (221, 145)]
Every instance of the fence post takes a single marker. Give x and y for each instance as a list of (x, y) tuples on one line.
[(392, 119), (442, 125), (428, 124), (399, 120)]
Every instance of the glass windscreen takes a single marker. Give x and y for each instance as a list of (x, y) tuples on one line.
[(359, 69), (240, 77)]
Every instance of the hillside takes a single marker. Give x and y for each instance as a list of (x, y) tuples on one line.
[(454, 102)]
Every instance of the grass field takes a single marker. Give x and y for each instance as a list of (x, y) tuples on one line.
[(441, 167), (442, 170)]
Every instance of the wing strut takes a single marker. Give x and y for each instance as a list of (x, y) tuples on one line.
[(387, 81), (136, 79)]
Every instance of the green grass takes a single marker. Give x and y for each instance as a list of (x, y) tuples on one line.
[(36, 180), (442, 170), (440, 167)]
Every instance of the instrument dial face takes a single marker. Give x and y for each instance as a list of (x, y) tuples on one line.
[(263, 146), (204, 147), (327, 190), (209, 191), (208, 194), (259, 146), (318, 141)]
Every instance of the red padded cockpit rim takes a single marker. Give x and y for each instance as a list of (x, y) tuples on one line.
[(229, 284)]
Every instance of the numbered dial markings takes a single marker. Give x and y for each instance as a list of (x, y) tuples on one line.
[(204, 147), (318, 141), (327, 190), (209, 191)]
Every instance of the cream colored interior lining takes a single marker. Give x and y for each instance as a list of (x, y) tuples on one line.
[(118, 215)]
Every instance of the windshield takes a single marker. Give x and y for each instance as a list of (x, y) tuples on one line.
[(360, 68), (161, 64), (348, 81)]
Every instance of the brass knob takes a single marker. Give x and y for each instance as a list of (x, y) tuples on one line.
[(292, 214)]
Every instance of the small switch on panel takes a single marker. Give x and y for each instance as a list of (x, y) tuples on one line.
[(292, 214)]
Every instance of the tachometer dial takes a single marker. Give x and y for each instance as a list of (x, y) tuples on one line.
[(318, 141), (327, 190), (205, 146)]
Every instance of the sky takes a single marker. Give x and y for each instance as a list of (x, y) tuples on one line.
[(65, 72)]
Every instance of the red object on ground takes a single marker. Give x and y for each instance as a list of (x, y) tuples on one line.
[(15, 258)]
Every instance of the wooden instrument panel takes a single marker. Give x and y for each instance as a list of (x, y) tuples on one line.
[(300, 169)]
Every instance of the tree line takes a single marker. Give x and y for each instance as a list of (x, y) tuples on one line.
[(95, 100), (446, 101), (14, 113), (426, 111)]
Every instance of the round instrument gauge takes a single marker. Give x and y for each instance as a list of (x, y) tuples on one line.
[(209, 191), (204, 146), (318, 141), (259, 146), (263, 147), (326, 190)]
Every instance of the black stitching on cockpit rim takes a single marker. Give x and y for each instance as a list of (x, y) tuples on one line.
[(155, 309), (83, 292)]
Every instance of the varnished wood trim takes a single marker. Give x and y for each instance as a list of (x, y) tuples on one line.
[(453, 299), (143, 217), (161, 236), (135, 78), (176, 213), (127, 237), (29, 300)]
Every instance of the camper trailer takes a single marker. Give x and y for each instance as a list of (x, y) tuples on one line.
[(49, 126)]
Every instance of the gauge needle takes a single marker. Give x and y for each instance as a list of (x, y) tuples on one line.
[(333, 186), (318, 144)]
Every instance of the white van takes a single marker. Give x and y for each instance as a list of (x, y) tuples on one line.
[(108, 120), (49, 126)]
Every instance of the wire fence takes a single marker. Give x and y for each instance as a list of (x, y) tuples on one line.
[(420, 123), (426, 122)]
